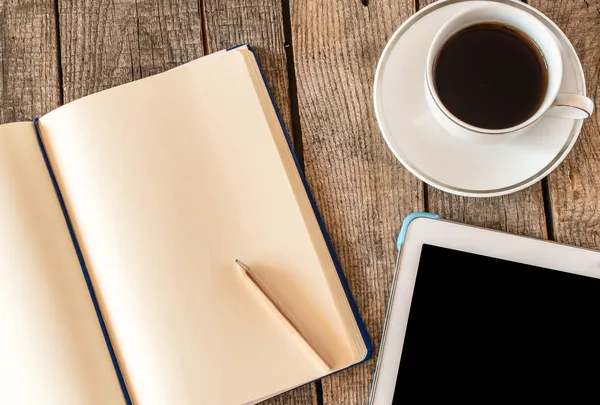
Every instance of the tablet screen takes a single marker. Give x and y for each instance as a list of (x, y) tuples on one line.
[(482, 329)]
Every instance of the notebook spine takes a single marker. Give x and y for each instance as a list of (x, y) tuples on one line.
[(82, 264)]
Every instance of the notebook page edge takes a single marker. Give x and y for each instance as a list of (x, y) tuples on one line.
[(339, 294)]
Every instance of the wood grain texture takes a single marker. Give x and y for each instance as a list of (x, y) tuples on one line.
[(260, 24), (425, 3), (304, 395), (105, 43), (521, 213), (362, 191), (574, 185), (29, 80)]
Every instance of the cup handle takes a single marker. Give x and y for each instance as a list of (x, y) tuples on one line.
[(573, 106)]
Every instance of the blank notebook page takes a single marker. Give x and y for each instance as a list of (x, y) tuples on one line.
[(168, 180), (52, 350)]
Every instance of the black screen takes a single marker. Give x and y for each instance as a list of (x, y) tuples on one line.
[(486, 330)]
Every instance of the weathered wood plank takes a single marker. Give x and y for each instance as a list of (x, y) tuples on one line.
[(105, 43), (260, 24), (360, 188), (305, 395), (29, 83), (574, 185), (425, 3), (521, 213)]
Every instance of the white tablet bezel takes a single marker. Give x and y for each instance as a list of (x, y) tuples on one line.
[(465, 238)]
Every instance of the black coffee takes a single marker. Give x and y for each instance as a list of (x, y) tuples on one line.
[(491, 76)]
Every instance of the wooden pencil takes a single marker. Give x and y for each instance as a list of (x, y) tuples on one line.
[(283, 316)]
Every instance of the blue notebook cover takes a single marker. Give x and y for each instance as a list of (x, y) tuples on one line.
[(82, 263)]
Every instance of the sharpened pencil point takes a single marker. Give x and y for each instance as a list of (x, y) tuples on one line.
[(243, 268)]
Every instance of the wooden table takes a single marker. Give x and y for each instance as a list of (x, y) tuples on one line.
[(319, 58)]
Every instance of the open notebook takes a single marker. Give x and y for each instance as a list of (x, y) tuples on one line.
[(120, 221)]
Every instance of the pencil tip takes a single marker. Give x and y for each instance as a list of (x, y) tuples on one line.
[(241, 265)]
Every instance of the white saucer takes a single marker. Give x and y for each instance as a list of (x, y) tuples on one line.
[(442, 160)]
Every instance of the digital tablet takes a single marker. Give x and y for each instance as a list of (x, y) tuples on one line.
[(479, 316)]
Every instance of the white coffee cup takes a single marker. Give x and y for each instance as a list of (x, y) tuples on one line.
[(573, 106)]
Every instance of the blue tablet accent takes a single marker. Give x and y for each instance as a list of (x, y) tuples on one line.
[(408, 220), (84, 269)]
